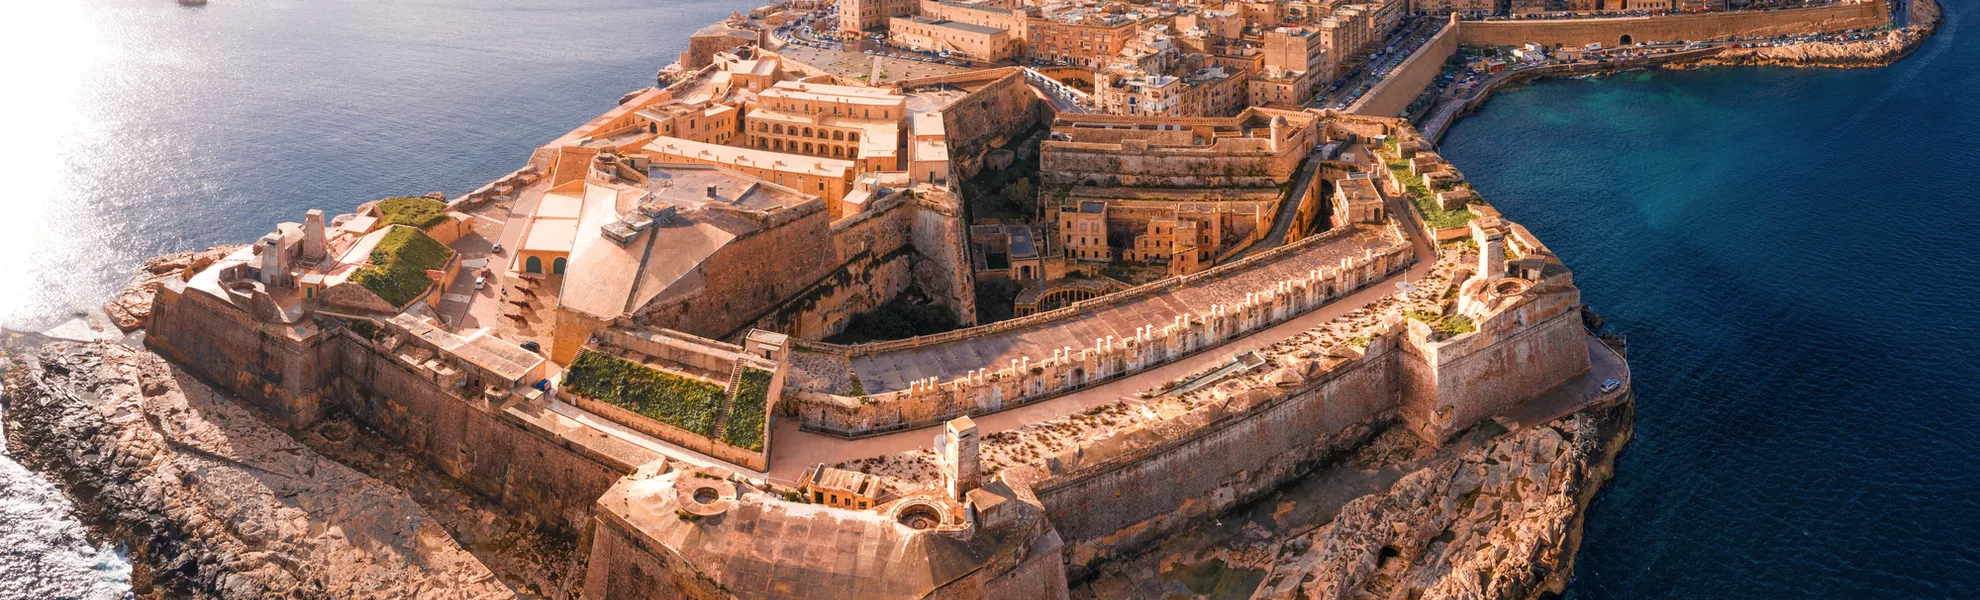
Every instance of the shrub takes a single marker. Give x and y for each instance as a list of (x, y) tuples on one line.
[(412, 212), (746, 415), (686, 403), (399, 262), (1454, 325)]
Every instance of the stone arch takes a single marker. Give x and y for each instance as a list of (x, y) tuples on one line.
[(838, 136), (807, 148), (557, 266), (807, 132), (533, 265), (777, 129), (838, 152), (1627, 39)]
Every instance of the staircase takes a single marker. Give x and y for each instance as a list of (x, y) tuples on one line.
[(728, 398)]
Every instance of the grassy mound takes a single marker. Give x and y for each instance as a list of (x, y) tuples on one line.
[(746, 415), (412, 212), (399, 263), (686, 403)]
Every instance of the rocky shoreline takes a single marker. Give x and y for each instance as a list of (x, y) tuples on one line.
[(1896, 44), (211, 502)]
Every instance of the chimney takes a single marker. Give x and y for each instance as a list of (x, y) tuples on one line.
[(711, 193), (313, 236)]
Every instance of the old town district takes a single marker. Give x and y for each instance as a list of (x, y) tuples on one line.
[(775, 326)]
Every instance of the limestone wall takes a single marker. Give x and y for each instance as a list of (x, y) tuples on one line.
[(1707, 26), (1143, 485), (989, 115), (1515, 355), (256, 363), (1395, 92), (996, 387), (745, 279)]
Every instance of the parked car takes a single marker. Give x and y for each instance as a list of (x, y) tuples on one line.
[(1610, 385), (480, 282)]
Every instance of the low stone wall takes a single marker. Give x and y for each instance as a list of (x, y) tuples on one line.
[(757, 459), (1609, 32)]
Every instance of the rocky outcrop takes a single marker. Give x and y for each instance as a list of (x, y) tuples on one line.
[(132, 307), (211, 502), (1499, 522), (1875, 51)]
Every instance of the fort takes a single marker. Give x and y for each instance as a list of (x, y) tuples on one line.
[(656, 337)]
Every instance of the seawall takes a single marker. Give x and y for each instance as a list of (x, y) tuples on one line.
[(1394, 94), (1612, 31)]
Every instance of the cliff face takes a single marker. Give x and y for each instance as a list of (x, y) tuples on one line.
[(211, 502), (1501, 521)]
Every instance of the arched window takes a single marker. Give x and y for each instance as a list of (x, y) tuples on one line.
[(807, 132), (838, 152), (807, 148), (557, 266), (852, 137), (779, 129), (839, 135), (533, 265)]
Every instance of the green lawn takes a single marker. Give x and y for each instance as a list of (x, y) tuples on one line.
[(399, 262), (686, 403), (746, 416), (414, 212)]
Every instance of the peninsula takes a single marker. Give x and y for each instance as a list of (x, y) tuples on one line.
[(947, 299)]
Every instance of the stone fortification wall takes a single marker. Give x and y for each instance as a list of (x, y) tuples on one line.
[(906, 238), (988, 115), (1407, 81), (750, 276), (257, 363), (1119, 494), (940, 237), (1516, 355), (993, 388), (481, 441), (1609, 31)]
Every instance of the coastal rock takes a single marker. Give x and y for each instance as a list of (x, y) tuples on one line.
[(1498, 522), (1874, 52), (132, 307), (213, 503)]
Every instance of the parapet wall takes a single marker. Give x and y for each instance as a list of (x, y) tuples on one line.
[(1609, 32), (1515, 355)]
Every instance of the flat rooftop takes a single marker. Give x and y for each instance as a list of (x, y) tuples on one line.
[(696, 186)]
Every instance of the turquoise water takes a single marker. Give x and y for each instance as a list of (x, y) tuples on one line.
[(1792, 253), (1794, 256)]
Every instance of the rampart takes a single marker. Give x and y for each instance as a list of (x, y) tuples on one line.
[(998, 106), (503, 446), (1407, 81), (1609, 32), (1118, 494), (996, 386)]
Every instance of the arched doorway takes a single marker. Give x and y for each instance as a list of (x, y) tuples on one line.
[(1626, 40), (557, 266), (533, 265)]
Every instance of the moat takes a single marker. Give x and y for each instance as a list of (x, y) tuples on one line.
[(1522, 184)]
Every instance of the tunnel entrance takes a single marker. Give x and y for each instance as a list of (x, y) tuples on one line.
[(1626, 40)]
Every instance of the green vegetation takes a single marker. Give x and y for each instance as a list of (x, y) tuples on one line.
[(1454, 325), (746, 415), (1435, 216), (1445, 325), (686, 403), (412, 212), (399, 262), (858, 388)]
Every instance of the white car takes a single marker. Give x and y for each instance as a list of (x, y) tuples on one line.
[(480, 282)]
